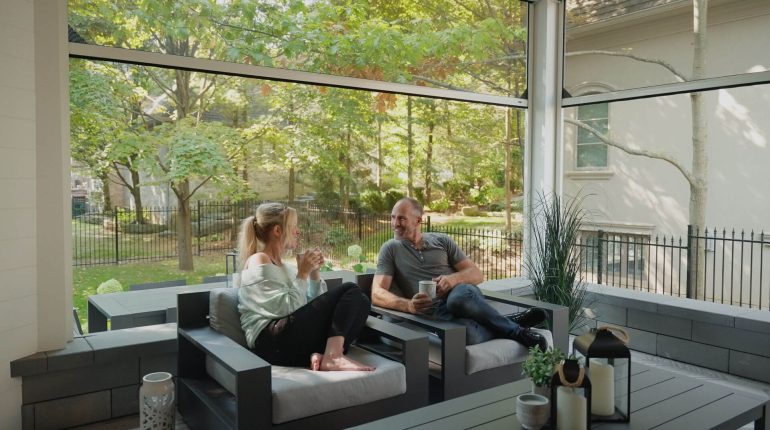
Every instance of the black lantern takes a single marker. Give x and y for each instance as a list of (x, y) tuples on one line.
[(608, 361), (570, 397)]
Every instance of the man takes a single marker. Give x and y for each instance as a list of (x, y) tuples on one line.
[(412, 256)]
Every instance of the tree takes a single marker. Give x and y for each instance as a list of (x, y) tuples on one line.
[(697, 174)]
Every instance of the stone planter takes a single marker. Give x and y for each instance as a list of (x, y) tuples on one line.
[(532, 411)]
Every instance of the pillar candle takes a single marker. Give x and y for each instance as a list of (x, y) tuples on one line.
[(570, 409), (602, 388)]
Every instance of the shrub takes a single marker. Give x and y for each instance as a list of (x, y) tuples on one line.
[(440, 205), (392, 196), (473, 211), (109, 286), (373, 201), (337, 236)]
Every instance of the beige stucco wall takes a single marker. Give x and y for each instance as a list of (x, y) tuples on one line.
[(35, 255), (651, 194), (18, 277)]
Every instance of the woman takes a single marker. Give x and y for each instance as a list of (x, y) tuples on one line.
[(288, 316)]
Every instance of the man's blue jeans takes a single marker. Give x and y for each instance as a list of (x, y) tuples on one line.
[(466, 305)]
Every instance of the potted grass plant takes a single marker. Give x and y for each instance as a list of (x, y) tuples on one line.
[(553, 262), (539, 367)]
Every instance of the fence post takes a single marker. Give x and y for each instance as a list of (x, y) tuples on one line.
[(360, 226), (198, 233), (117, 237), (427, 224), (599, 256), (690, 266)]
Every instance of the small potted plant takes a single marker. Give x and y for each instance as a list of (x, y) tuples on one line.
[(539, 367)]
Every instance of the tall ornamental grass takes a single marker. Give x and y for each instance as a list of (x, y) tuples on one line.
[(553, 262)]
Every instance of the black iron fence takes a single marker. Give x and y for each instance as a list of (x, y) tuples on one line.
[(125, 235), (723, 267)]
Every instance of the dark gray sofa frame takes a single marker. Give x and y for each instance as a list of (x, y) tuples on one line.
[(205, 404), (450, 380)]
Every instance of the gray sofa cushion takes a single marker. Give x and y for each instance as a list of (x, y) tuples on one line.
[(485, 355), (299, 392), (223, 314), (498, 352)]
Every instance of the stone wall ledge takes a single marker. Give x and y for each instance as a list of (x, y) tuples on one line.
[(102, 347)]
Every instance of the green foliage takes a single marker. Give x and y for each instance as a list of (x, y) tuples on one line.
[(391, 197), (337, 236), (554, 264), (109, 286), (473, 211), (373, 201), (440, 205), (540, 365)]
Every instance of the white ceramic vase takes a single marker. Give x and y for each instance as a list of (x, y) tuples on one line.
[(157, 402), (532, 411)]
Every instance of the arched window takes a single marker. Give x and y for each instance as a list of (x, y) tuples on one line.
[(591, 152)]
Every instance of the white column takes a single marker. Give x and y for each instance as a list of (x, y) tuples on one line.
[(53, 194), (543, 153)]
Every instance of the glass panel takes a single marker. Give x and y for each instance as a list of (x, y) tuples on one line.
[(592, 155), (624, 44), (651, 192), (594, 111), (460, 44), (585, 136)]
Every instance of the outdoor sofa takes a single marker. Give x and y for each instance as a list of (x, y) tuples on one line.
[(457, 369), (222, 384)]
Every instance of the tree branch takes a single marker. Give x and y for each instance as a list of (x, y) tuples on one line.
[(635, 151), (681, 76), (196, 188)]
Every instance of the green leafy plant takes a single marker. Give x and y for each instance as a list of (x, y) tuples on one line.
[(356, 252), (540, 364), (554, 261)]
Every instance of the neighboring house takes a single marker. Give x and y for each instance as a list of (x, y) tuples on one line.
[(643, 197)]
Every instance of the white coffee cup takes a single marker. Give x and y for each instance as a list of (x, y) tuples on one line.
[(428, 287)]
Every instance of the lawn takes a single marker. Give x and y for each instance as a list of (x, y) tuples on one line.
[(85, 280)]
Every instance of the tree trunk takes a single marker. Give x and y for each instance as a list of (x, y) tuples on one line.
[(184, 226), (292, 178), (136, 193), (379, 153), (508, 167), (104, 177), (409, 148), (699, 188), (429, 156)]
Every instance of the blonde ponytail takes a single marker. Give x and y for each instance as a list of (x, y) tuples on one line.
[(255, 229)]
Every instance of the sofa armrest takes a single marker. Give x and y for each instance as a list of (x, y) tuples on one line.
[(557, 316), (413, 353)]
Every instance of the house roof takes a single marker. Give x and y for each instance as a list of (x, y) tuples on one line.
[(583, 12)]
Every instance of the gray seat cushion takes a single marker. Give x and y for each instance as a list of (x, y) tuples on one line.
[(299, 392), (498, 352), (485, 355), (223, 314)]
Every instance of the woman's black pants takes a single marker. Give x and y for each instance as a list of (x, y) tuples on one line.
[(291, 340)]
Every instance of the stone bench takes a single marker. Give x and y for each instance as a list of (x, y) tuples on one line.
[(95, 377)]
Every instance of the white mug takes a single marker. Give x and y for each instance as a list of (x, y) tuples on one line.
[(428, 287)]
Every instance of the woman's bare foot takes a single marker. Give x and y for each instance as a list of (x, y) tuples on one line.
[(315, 361), (341, 362)]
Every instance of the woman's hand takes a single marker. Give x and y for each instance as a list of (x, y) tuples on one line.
[(309, 263)]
